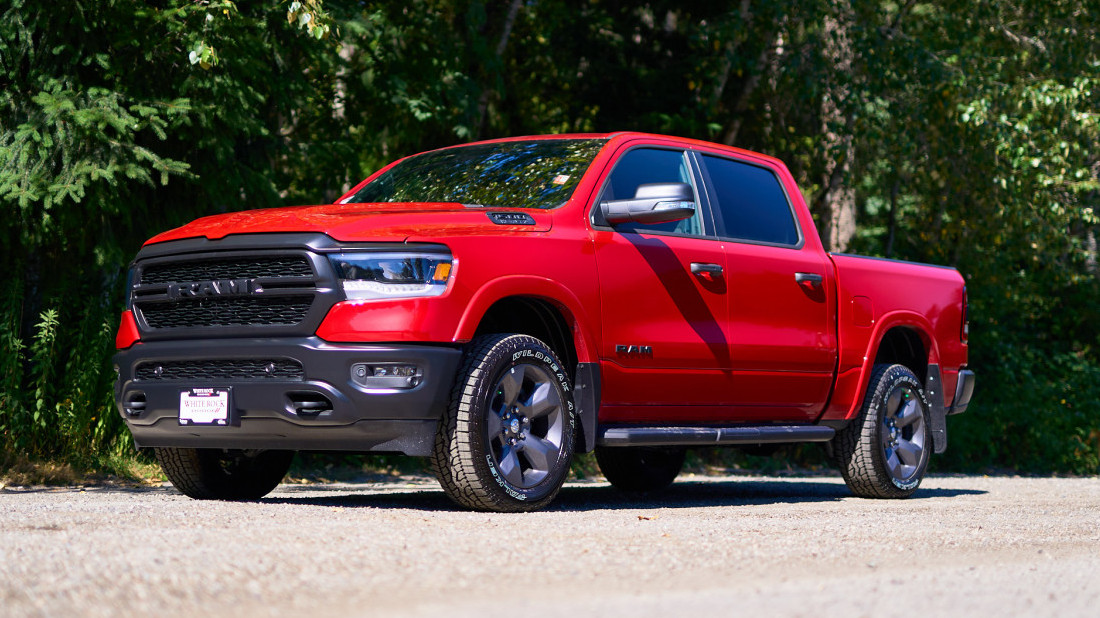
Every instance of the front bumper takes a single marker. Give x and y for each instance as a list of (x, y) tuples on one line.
[(320, 408)]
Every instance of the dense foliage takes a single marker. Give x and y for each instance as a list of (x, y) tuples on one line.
[(955, 132)]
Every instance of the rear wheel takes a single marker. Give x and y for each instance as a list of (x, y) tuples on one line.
[(218, 474), (640, 468), (884, 452), (506, 441)]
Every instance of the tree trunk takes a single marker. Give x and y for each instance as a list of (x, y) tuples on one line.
[(502, 44), (892, 225), (763, 62), (1090, 253), (835, 205)]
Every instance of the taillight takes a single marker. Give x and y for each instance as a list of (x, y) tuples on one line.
[(965, 334)]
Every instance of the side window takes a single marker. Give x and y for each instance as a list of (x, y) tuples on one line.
[(751, 204), (647, 165)]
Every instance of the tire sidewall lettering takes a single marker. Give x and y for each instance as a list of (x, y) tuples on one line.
[(903, 382), (530, 355), (500, 481), (862, 448), (906, 486)]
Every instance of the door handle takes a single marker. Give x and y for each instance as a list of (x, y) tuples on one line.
[(703, 268), (813, 279)]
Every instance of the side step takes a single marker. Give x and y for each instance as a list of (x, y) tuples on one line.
[(632, 435)]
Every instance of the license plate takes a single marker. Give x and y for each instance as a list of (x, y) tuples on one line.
[(204, 406)]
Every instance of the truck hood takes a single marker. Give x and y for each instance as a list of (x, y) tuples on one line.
[(391, 222)]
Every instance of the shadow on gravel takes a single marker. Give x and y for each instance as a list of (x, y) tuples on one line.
[(728, 493), (685, 494), (115, 488), (422, 500)]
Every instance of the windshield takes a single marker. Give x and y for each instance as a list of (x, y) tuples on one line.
[(524, 174)]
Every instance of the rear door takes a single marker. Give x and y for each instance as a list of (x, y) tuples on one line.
[(782, 339), (665, 352)]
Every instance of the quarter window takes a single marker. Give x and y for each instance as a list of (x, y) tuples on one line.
[(751, 203)]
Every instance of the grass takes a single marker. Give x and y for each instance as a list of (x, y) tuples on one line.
[(354, 468), (17, 470)]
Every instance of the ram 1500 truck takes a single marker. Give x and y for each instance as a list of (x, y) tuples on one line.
[(499, 306)]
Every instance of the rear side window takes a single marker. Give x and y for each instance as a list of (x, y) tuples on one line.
[(751, 204)]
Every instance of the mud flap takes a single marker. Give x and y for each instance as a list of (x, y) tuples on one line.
[(933, 389), (586, 395)]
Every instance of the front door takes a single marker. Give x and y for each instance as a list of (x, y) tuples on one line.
[(666, 353)]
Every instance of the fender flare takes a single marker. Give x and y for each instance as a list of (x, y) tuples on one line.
[(884, 324), (586, 387), (536, 287)]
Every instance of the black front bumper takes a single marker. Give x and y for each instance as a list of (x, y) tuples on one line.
[(267, 412)]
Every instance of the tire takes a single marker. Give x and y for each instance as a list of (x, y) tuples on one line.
[(884, 452), (640, 468), (506, 440), (217, 474)]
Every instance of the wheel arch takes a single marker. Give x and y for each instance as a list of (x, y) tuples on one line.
[(534, 316), (548, 299), (905, 338), (904, 345), (902, 338), (546, 310)]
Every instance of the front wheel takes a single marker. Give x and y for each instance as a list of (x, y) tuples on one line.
[(884, 452), (506, 440), (219, 474)]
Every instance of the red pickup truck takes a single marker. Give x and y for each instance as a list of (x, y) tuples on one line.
[(499, 306)]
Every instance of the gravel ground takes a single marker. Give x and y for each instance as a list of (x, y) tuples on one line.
[(709, 545)]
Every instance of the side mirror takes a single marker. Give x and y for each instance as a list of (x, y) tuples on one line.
[(660, 202)]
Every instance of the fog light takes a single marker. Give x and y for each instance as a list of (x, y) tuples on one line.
[(386, 375), (135, 403)]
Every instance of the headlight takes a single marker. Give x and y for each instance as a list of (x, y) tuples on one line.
[(368, 276)]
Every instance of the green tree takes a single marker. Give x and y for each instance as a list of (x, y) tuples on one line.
[(119, 119), (959, 133)]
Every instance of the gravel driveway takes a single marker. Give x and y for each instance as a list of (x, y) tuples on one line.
[(709, 545)]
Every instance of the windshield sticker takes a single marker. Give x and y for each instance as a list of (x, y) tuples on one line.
[(560, 179)]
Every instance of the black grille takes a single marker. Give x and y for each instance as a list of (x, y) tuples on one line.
[(241, 369), (272, 311), (227, 268)]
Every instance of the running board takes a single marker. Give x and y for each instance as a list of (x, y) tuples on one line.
[(712, 436)]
